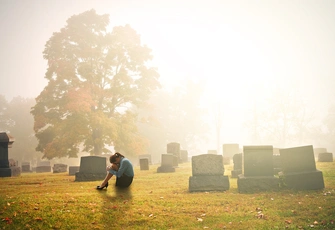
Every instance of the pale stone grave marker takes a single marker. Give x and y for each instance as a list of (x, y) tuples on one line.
[(144, 164), (183, 155), (237, 160), (167, 163), (174, 149), (43, 166), (299, 169), (325, 157), (208, 174)]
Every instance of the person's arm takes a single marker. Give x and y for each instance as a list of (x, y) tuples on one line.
[(123, 166)]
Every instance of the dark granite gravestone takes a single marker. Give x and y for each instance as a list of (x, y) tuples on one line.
[(167, 163), (7, 169), (184, 156), (92, 168), (74, 169), (237, 160), (325, 157), (148, 156), (43, 166), (144, 164), (59, 168), (25, 166), (174, 149), (258, 170), (299, 169), (207, 174)]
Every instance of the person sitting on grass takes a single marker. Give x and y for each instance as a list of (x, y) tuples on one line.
[(122, 168)]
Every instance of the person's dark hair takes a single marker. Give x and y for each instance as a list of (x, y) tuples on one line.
[(112, 158)]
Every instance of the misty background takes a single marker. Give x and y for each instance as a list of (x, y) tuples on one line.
[(264, 66)]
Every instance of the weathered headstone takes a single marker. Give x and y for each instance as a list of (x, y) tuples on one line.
[(174, 149), (258, 170), (325, 157), (207, 174), (73, 170), (237, 160), (43, 166), (167, 163), (144, 164), (299, 169), (184, 155), (59, 168), (25, 166), (7, 169), (319, 150), (148, 156), (91, 168)]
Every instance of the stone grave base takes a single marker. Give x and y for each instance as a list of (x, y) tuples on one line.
[(9, 172), (81, 176), (164, 169), (257, 183), (325, 157), (42, 169), (235, 173), (303, 180), (208, 183), (73, 170)]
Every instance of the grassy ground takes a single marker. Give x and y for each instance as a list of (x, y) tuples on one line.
[(159, 201)]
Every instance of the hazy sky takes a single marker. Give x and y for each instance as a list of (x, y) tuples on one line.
[(244, 49)]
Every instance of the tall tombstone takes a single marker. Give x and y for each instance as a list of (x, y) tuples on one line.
[(299, 169), (184, 155), (91, 168), (174, 149), (167, 164), (228, 151), (258, 170), (8, 168), (237, 160), (208, 174)]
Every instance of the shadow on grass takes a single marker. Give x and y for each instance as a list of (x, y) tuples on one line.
[(114, 193)]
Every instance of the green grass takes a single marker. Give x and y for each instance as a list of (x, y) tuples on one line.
[(159, 201)]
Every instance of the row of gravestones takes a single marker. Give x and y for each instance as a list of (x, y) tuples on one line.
[(298, 170)]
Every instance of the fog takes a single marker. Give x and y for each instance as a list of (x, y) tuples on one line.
[(251, 55)]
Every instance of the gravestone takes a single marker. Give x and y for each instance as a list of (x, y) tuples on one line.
[(91, 168), (25, 166), (299, 169), (43, 166), (229, 150), (8, 167), (325, 157), (319, 150), (74, 169), (144, 164), (59, 168), (237, 160), (258, 170), (184, 156), (167, 163), (208, 174), (148, 156), (174, 149), (212, 151)]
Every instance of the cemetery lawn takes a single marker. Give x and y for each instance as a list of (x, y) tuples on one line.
[(159, 201)]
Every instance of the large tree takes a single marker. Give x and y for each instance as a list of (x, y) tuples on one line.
[(94, 77)]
